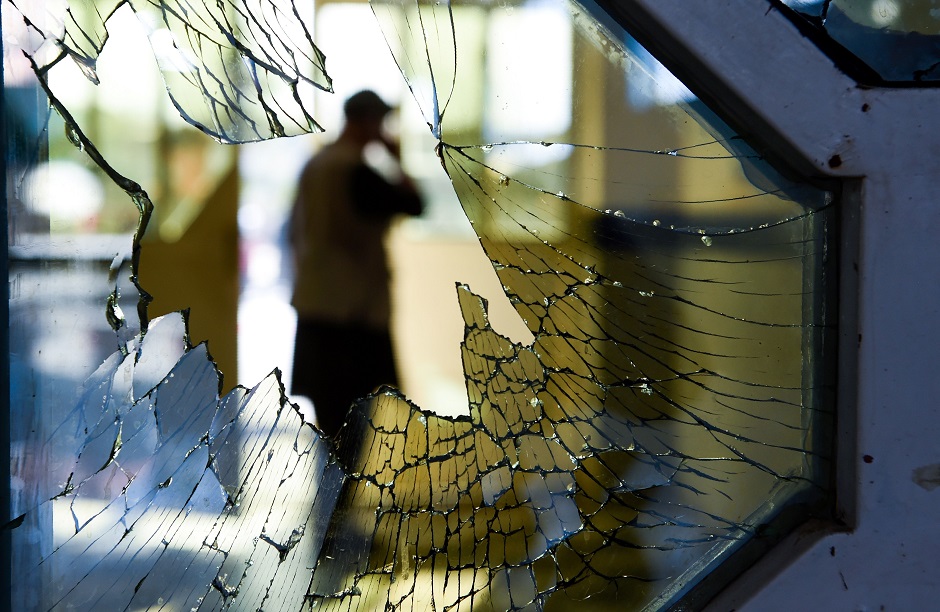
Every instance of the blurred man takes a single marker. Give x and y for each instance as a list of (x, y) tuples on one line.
[(342, 211)]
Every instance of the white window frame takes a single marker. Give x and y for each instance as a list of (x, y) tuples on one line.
[(777, 88)]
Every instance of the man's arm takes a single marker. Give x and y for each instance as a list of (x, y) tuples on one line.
[(373, 196)]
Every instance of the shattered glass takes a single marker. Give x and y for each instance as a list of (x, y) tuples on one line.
[(671, 408), (889, 41), (240, 71)]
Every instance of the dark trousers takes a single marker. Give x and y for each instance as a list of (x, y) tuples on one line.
[(337, 363)]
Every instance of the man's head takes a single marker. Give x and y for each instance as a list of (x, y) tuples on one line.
[(365, 113), (365, 106)]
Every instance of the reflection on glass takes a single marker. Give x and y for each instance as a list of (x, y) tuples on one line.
[(670, 406), (897, 40)]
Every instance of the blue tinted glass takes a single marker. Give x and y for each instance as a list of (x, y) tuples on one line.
[(895, 40)]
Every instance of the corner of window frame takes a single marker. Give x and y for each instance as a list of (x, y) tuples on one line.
[(750, 63)]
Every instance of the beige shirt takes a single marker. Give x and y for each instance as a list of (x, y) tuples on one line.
[(341, 272)]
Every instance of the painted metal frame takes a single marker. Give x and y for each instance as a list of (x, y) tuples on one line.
[(777, 88)]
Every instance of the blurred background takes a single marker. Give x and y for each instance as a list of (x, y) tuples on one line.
[(216, 244)]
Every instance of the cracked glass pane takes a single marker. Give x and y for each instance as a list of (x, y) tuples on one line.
[(891, 40), (239, 71), (668, 407)]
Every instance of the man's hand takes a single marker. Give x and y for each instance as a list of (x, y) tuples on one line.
[(392, 145)]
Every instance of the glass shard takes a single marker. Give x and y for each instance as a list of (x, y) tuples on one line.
[(240, 71), (178, 497)]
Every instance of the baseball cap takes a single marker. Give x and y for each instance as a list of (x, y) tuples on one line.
[(365, 104)]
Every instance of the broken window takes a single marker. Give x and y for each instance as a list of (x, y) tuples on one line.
[(669, 408), (876, 41)]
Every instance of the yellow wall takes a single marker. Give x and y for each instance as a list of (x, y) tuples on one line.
[(199, 271)]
